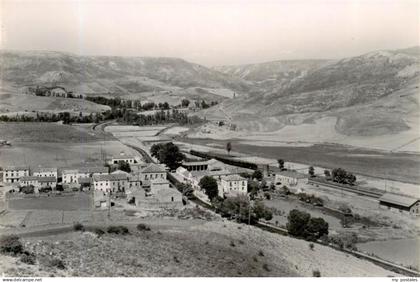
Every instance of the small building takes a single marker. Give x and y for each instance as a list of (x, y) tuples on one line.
[(195, 166), (28, 181), (232, 185), (400, 203), (38, 181), (153, 171), (111, 182), (45, 172), (289, 178), (12, 174), (123, 158), (72, 176)]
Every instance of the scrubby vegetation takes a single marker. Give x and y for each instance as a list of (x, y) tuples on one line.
[(10, 244), (301, 225), (240, 208), (143, 227), (119, 230)]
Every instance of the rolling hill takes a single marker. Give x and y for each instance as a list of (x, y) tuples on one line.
[(116, 76), (372, 95)]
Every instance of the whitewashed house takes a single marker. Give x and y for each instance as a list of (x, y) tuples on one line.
[(72, 176), (45, 172), (128, 159), (232, 185), (290, 178), (12, 174), (38, 181), (111, 182)]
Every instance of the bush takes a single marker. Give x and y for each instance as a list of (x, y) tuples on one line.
[(311, 246), (143, 227), (98, 232), (78, 227), (28, 258), (300, 224), (118, 230), (10, 244), (132, 201), (57, 263), (316, 273), (266, 268)]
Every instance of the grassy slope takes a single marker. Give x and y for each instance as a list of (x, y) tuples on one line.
[(212, 249)]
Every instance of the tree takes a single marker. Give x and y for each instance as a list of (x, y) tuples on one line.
[(228, 147), (327, 173), (311, 171), (124, 166), (316, 228), (257, 175), (168, 154), (261, 211), (281, 164), (185, 103), (297, 222), (209, 185)]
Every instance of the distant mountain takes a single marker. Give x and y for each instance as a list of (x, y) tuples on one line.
[(115, 75), (357, 91)]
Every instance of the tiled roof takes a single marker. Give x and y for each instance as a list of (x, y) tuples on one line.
[(233, 177), (292, 174), (100, 169), (110, 177), (47, 179), (44, 169), (28, 178), (398, 200), (16, 168), (153, 168)]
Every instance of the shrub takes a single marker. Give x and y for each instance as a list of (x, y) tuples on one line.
[(316, 273), (232, 244), (57, 263), (261, 253), (10, 244), (78, 227), (118, 230), (266, 268), (311, 246), (98, 232), (132, 201), (28, 258), (143, 227)]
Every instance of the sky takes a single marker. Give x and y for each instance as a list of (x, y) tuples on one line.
[(211, 32)]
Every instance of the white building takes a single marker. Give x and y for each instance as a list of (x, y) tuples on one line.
[(111, 182), (45, 172), (232, 185), (158, 183), (128, 159), (12, 174), (289, 178), (71, 176), (38, 181), (153, 171)]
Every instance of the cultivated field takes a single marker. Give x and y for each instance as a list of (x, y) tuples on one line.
[(51, 144), (79, 201)]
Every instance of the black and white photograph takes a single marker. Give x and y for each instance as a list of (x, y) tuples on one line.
[(209, 138)]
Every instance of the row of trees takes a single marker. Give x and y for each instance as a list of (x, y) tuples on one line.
[(66, 117), (159, 117)]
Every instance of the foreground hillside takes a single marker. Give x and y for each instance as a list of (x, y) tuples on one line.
[(206, 249)]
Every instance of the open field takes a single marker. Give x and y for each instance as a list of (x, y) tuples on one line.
[(51, 144), (222, 249), (50, 132), (21, 102), (397, 166), (79, 201)]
